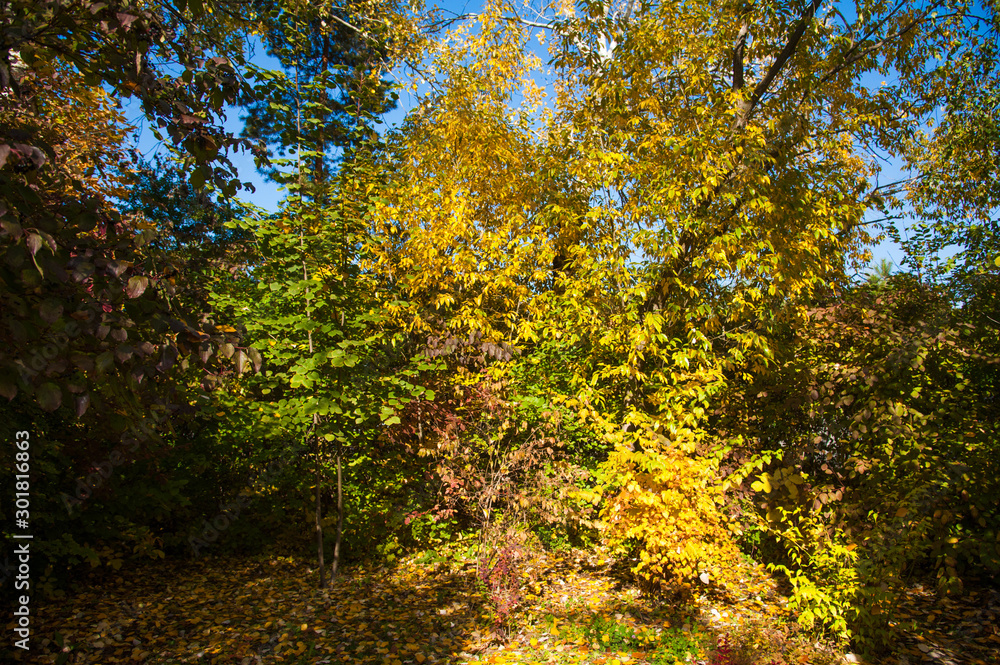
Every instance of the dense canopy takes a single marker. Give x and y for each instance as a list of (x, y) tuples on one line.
[(605, 282)]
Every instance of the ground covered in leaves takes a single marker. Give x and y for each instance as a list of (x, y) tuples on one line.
[(576, 608)]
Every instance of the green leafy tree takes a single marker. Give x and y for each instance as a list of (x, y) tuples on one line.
[(955, 200), (874, 449), (333, 375), (333, 86)]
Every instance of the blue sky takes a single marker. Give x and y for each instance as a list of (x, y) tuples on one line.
[(268, 196)]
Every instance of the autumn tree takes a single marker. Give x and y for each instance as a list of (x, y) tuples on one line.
[(878, 453), (701, 176), (952, 239), (76, 268), (333, 370), (101, 349)]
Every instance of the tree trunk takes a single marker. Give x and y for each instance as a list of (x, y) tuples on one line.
[(335, 564), (319, 519)]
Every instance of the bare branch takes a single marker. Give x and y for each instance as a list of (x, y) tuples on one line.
[(741, 45), (779, 63), (346, 24), (855, 54)]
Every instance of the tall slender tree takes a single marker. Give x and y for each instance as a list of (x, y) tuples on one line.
[(331, 362), (338, 68)]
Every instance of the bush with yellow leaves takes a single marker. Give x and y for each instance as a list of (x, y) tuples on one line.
[(666, 509)]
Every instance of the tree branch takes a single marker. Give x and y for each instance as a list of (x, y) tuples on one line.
[(741, 45), (748, 107)]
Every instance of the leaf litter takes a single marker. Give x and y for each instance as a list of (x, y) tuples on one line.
[(577, 608)]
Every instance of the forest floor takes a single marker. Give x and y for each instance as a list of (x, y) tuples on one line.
[(576, 608)]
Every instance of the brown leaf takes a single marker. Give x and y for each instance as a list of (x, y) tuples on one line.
[(136, 286), (167, 359), (8, 389), (82, 404), (34, 242), (12, 228), (255, 358), (116, 268)]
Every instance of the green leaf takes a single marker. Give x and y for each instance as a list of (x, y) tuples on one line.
[(49, 396), (50, 310)]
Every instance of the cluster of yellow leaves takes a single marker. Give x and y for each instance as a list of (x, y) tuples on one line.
[(80, 122), (668, 502), (458, 224)]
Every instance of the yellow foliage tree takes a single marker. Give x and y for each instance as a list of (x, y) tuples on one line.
[(703, 170)]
